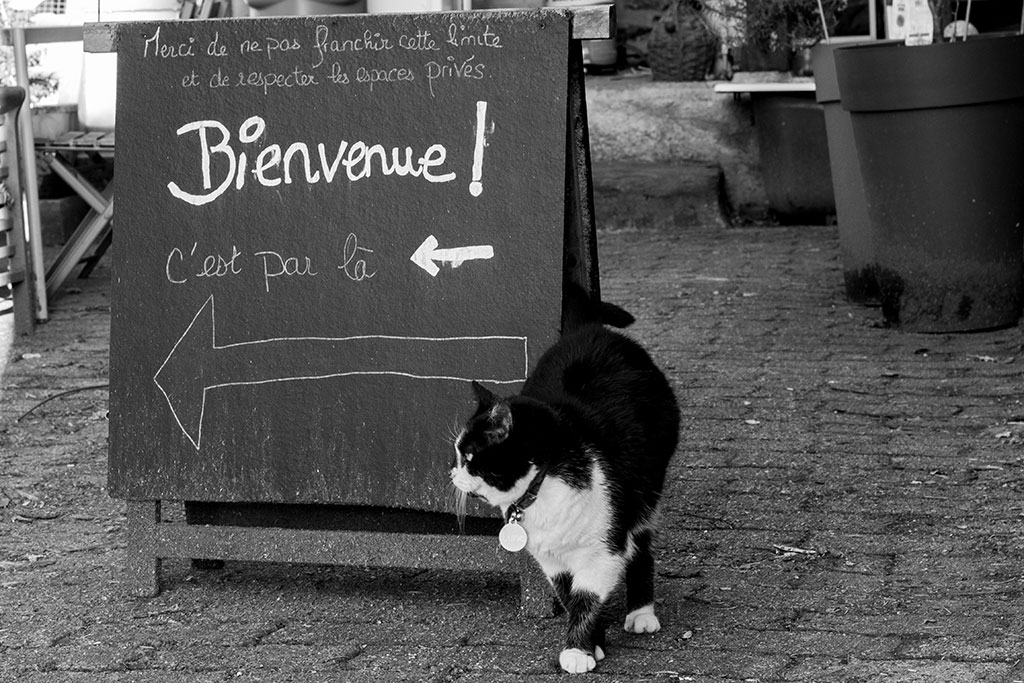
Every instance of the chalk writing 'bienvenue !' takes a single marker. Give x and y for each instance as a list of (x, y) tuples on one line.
[(297, 162)]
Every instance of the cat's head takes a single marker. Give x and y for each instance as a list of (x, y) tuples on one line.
[(493, 458)]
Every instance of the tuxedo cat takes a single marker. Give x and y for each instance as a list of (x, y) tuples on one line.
[(576, 463)]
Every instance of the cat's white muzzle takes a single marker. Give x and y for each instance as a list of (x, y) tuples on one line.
[(464, 481)]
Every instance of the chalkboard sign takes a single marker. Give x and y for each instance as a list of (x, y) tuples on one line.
[(325, 228)]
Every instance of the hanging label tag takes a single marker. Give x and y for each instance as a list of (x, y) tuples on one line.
[(512, 537), (919, 23)]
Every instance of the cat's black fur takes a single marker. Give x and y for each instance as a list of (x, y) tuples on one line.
[(600, 421)]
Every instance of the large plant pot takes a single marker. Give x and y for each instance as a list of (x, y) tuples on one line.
[(856, 242), (794, 154), (939, 132)]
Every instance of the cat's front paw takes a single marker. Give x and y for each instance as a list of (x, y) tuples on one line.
[(642, 620), (576, 661)]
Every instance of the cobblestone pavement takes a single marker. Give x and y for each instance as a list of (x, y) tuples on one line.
[(846, 506)]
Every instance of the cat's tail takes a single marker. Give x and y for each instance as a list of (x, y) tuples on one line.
[(613, 315), (580, 309)]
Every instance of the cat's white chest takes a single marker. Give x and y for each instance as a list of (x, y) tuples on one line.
[(568, 531), (564, 520)]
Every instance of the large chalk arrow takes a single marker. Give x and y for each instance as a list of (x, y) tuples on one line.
[(427, 253), (196, 364)]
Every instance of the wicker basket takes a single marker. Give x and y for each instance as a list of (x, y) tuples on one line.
[(682, 46)]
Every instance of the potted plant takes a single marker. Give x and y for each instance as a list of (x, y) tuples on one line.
[(772, 33), (682, 45), (939, 136), (42, 83), (789, 123)]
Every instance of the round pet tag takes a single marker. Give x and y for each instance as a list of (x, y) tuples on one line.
[(512, 537)]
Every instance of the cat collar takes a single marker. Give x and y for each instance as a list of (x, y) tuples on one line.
[(513, 536), (515, 510)]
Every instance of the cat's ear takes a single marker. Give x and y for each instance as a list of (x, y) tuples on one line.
[(499, 423), (486, 398), (499, 414)]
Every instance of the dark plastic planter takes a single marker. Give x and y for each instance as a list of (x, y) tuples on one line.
[(794, 154), (856, 243), (939, 132)]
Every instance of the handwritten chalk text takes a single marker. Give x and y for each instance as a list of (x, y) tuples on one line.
[(275, 265), (154, 47), (325, 44), (273, 165), (355, 268), (468, 69), (265, 81), (459, 35), (191, 264), (179, 266)]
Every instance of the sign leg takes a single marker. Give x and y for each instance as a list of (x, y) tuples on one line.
[(143, 563), (580, 258)]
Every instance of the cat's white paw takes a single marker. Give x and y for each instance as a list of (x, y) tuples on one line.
[(598, 653), (642, 620), (576, 661)]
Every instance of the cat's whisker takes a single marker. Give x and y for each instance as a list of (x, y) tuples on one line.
[(457, 503), (454, 430), (460, 509)]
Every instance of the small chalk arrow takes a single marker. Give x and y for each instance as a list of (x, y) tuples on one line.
[(196, 364), (427, 253)]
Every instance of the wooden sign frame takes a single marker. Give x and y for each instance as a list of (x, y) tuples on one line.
[(215, 531)]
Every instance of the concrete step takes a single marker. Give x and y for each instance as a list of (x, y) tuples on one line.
[(686, 130), (632, 194)]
